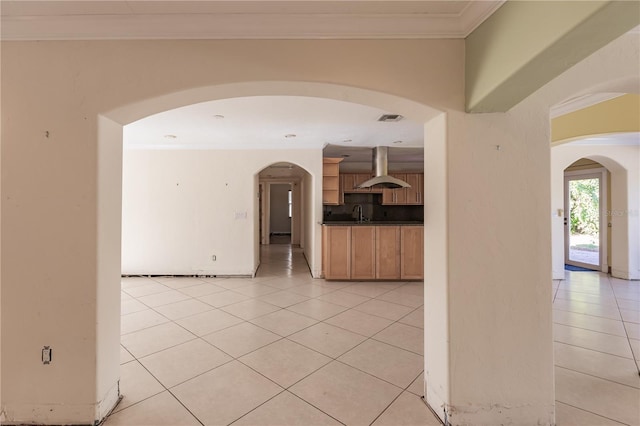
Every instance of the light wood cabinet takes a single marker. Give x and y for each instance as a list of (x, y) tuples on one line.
[(336, 252), (331, 181), (372, 252), (363, 252), (388, 252), (405, 196), (351, 180), (412, 252)]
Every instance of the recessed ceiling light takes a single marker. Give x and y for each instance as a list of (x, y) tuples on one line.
[(397, 141), (290, 136), (218, 116), (170, 136)]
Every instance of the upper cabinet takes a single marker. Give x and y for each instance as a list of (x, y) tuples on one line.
[(331, 189), (350, 181), (405, 196)]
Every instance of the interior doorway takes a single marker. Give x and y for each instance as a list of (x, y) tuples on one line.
[(585, 223), (280, 213)]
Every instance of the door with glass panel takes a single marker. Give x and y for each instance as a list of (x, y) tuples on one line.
[(583, 220)]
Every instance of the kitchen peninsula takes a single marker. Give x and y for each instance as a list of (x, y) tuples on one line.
[(373, 251)]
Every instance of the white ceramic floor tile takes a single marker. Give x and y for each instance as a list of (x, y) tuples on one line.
[(223, 298), (415, 318), (159, 410), (183, 362), (212, 399), (203, 289), (310, 290), (125, 356), (593, 340), (327, 339), (403, 336), (601, 397), (285, 362), (241, 339), (599, 299), (567, 415), (183, 309), (407, 410), (630, 316), (284, 322), (130, 282), (348, 395), (380, 308), (359, 322), (136, 384), (633, 330), (589, 322), (367, 289), (603, 311), (629, 305), (417, 386), (163, 298), (342, 298), (208, 322), (317, 309), (131, 305), (385, 362), (256, 290), (283, 298), (147, 289), (402, 296), (250, 309), (154, 339), (182, 282), (140, 320), (635, 347), (286, 409), (598, 364)]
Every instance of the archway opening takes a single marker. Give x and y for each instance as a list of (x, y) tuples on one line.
[(245, 211)]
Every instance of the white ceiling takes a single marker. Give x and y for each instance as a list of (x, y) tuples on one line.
[(241, 19), (271, 122)]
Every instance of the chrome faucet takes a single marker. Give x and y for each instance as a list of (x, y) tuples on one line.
[(357, 213)]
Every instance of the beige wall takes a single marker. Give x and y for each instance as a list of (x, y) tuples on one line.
[(181, 207), (487, 306)]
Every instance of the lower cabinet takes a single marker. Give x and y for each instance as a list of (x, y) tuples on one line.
[(372, 252), (363, 252), (388, 253), (336, 252), (411, 253)]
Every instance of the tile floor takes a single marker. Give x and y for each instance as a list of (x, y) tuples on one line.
[(285, 349)]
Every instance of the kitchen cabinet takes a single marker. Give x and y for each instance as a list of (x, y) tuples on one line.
[(372, 252), (336, 252), (388, 252), (331, 194), (405, 196), (411, 252), (351, 180), (363, 252)]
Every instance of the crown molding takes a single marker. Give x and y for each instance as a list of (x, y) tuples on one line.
[(244, 20)]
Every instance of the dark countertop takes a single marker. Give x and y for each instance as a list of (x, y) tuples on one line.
[(372, 223)]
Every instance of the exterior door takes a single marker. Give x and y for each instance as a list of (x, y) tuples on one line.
[(584, 219)]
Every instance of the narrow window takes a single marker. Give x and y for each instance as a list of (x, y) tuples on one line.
[(289, 198)]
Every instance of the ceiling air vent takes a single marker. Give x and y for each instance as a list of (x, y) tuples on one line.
[(390, 118)]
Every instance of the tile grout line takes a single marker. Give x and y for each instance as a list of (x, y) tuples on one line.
[(590, 412), (633, 354)]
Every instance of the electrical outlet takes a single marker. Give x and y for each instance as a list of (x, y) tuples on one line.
[(213, 257), (46, 355)]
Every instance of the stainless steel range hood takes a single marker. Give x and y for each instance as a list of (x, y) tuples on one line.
[(380, 166)]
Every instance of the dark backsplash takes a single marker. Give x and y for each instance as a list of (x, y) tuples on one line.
[(372, 209)]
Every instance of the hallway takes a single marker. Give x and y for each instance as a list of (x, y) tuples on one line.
[(285, 349)]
